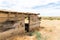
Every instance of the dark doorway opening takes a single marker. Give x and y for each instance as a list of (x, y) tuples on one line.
[(26, 27), (27, 22)]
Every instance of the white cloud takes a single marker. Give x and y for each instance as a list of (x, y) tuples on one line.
[(26, 5)]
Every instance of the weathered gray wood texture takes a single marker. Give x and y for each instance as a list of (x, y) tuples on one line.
[(34, 22)]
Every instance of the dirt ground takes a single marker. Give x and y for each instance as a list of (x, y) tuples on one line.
[(51, 30)]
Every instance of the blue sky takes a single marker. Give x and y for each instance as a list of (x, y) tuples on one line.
[(44, 7)]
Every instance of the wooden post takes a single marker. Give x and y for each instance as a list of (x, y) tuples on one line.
[(8, 16), (16, 16)]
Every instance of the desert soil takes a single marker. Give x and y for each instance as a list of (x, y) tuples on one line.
[(51, 29)]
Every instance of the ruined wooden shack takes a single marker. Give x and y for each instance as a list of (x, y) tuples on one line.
[(13, 23), (11, 17)]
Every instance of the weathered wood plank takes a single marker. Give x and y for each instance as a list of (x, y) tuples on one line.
[(11, 33)]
